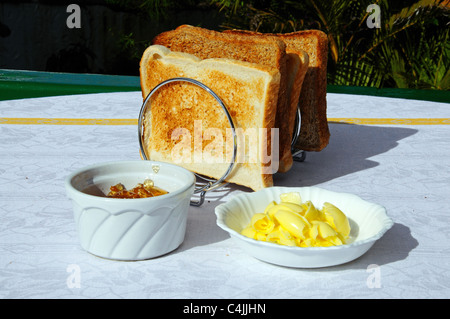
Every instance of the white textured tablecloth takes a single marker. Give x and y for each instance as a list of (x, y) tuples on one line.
[(403, 165)]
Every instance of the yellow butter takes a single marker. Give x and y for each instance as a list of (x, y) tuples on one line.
[(293, 222), (292, 207), (337, 219), (271, 204), (262, 223), (324, 229), (311, 213), (281, 236), (293, 197), (249, 232)]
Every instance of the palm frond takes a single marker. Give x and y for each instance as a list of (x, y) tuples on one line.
[(409, 50), (352, 72)]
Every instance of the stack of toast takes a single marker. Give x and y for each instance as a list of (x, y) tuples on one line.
[(261, 78)]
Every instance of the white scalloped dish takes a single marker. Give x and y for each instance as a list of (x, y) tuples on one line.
[(368, 221)]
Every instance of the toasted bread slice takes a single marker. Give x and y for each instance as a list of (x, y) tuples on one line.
[(311, 95), (185, 125), (314, 131), (297, 67), (263, 50), (296, 83)]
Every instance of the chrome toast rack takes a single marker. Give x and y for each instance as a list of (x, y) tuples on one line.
[(207, 184)]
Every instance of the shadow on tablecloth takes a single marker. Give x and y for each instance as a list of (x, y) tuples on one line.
[(349, 151), (394, 246)]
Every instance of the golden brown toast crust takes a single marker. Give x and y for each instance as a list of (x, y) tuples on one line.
[(254, 48), (314, 132), (296, 87), (198, 41)]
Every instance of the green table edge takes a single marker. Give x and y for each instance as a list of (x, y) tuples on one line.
[(411, 94), (19, 84)]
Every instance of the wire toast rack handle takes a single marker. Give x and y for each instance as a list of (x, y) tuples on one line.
[(210, 183)]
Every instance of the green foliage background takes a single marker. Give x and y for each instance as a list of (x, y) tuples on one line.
[(410, 49)]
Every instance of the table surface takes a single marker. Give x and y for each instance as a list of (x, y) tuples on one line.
[(391, 151)]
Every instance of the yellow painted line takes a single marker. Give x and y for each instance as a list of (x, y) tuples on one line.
[(391, 121), (340, 120), (65, 121)]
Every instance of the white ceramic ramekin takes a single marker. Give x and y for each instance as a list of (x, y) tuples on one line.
[(130, 229)]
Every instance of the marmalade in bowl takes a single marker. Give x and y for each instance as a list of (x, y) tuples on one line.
[(142, 190)]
